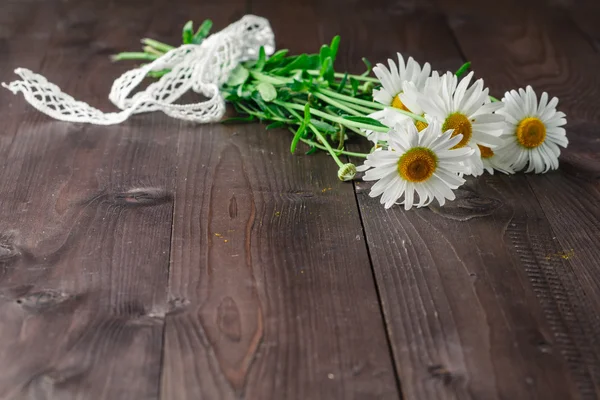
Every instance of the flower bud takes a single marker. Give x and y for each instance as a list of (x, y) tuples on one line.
[(368, 87), (347, 172)]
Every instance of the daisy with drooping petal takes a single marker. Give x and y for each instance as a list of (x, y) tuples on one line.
[(494, 161), (533, 131), (392, 80), (468, 111), (424, 163), (396, 82), (391, 116), (386, 117)]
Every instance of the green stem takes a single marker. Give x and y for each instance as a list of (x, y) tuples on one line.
[(340, 75), (262, 116), (158, 74), (356, 107), (321, 138), (347, 100), (353, 129), (162, 47), (494, 100), (327, 145), (339, 120), (259, 76), (350, 99), (152, 50), (407, 113), (336, 104), (344, 152), (134, 56), (247, 110)]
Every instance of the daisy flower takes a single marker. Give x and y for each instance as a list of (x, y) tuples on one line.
[(395, 80), (409, 99), (493, 161), (392, 80), (533, 131), (468, 111), (424, 163)]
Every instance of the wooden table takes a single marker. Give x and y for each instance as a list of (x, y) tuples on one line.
[(160, 259)]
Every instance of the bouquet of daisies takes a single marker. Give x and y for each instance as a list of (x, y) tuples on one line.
[(428, 130)]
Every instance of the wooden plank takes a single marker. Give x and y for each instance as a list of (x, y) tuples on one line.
[(540, 46), (585, 14), (21, 44), (87, 215), (270, 278), (464, 319), (539, 38)]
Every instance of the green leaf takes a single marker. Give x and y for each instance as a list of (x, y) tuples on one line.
[(275, 125), (188, 32), (324, 54), (342, 84), (277, 110), (284, 94), (202, 32), (276, 58), (365, 120), (158, 74), (267, 91), (300, 86), (334, 46), (238, 76), (268, 109), (369, 66), (324, 126), (297, 62), (327, 71), (250, 110), (355, 84), (464, 68), (302, 128), (243, 94), (297, 137), (236, 120), (262, 59), (302, 62), (312, 150)]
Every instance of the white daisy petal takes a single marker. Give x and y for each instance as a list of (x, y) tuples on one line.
[(393, 77), (417, 174), (533, 131)]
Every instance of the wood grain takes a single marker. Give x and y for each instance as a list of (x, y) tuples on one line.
[(538, 45), (270, 276), (469, 295), (585, 15), (567, 197), (85, 237), (159, 259)]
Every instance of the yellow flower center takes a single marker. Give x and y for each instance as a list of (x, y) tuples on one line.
[(417, 164), (420, 125), (397, 103), (531, 132), (461, 125), (486, 152)]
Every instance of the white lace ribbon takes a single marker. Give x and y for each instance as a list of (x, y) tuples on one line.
[(203, 68)]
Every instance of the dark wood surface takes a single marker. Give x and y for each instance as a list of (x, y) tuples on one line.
[(159, 259)]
